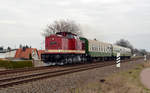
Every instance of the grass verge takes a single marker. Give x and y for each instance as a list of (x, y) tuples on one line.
[(15, 64), (122, 82)]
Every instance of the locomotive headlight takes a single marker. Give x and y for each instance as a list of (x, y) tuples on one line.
[(53, 38)]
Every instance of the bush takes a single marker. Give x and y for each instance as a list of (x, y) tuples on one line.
[(15, 64)]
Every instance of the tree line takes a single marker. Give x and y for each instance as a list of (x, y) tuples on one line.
[(127, 44)]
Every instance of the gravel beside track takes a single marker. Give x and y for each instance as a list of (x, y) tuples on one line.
[(63, 84), (9, 81)]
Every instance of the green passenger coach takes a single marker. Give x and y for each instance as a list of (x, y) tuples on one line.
[(124, 52), (99, 49)]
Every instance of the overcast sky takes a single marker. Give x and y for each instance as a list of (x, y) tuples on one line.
[(22, 21)]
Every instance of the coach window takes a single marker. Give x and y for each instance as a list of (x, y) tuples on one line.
[(107, 49), (91, 48), (104, 49), (96, 48)]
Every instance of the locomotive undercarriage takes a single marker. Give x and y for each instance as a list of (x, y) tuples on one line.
[(62, 59)]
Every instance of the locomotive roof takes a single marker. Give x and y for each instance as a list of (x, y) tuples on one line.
[(117, 46), (65, 33)]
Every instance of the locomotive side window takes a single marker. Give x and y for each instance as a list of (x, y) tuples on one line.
[(69, 36)]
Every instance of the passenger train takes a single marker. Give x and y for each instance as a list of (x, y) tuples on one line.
[(67, 48)]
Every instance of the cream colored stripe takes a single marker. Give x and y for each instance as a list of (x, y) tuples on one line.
[(67, 51)]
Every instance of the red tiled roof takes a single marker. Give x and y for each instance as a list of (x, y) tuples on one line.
[(20, 53), (40, 52)]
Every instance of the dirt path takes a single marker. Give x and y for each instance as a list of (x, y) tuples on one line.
[(145, 77)]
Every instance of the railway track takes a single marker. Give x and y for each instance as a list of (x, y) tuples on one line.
[(24, 70), (5, 72), (10, 81)]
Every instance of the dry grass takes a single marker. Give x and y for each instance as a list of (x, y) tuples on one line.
[(120, 84), (123, 82), (147, 64), (15, 64)]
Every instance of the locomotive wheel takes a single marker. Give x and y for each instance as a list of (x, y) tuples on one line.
[(61, 63)]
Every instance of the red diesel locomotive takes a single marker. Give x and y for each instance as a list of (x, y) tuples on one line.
[(63, 48)]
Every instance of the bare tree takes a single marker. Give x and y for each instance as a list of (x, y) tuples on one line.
[(124, 43), (62, 26), (127, 44), (1, 48), (8, 48), (137, 52), (143, 52)]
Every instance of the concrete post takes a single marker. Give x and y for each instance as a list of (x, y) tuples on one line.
[(118, 60)]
